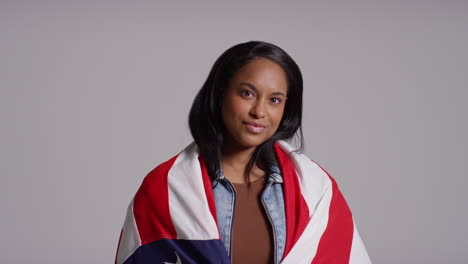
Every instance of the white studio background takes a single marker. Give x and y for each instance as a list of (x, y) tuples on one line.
[(94, 94)]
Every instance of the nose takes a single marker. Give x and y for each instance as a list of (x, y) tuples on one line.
[(258, 109)]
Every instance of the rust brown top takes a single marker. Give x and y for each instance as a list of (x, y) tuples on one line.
[(252, 235)]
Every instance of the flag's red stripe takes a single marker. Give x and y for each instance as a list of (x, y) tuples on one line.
[(335, 243), (296, 209), (151, 206)]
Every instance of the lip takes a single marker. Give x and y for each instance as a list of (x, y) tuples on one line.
[(254, 127)]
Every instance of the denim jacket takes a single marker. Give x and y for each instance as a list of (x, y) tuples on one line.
[(273, 203)]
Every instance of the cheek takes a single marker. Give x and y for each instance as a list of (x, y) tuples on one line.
[(234, 107), (277, 115)]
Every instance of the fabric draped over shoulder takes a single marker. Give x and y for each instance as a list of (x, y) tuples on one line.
[(172, 218)]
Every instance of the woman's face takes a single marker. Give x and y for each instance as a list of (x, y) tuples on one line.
[(253, 103)]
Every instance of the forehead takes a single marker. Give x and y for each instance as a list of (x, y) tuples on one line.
[(263, 74)]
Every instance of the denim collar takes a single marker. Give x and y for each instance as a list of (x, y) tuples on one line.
[(275, 175)]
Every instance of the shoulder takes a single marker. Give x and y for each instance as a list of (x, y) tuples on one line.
[(160, 171), (313, 179), (302, 165), (151, 198), (178, 164)]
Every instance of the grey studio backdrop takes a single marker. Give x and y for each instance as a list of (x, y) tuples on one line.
[(94, 94)]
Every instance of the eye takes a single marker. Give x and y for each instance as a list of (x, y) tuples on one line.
[(276, 100), (246, 94)]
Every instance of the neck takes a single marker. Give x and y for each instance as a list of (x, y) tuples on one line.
[(234, 163)]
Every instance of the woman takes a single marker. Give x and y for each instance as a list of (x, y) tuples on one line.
[(240, 193)]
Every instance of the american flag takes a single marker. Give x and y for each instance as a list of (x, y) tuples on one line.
[(172, 218)]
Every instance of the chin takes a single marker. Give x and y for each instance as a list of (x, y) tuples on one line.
[(252, 142)]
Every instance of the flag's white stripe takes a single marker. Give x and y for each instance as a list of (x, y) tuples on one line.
[(188, 204), (306, 246), (130, 240), (358, 251)]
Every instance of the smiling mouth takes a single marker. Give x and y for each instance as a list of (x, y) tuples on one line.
[(254, 128)]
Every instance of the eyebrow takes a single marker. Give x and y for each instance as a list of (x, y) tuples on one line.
[(251, 86)]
